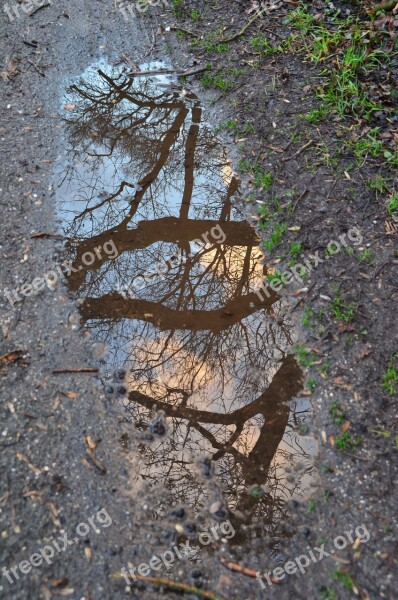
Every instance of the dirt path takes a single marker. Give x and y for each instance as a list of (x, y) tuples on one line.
[(62, 460), (49, 482)]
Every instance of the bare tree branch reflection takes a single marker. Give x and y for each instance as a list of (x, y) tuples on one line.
[(198, 343)]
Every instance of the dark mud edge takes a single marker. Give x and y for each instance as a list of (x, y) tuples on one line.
[(47, 424)]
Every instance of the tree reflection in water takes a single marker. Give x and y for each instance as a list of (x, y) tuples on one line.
[(197, 342)]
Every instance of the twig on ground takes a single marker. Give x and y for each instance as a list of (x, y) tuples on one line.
[(192, 71), (272, 33), (238, 568), (128, 60), (11, 357), (288, 145), (378, 271), (172, 585), (242, 31), (152, 48), (148, 73), (186, 73), (307, 145), (30, 44), (304, 297), (39, 8), (178, 28), (77, 370), (303, 193), (331, 188), (44, 234), (36, 67)]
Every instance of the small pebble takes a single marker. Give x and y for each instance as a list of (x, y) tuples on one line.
[(109, 391), (179, 513), (119, 376), (121, 390)]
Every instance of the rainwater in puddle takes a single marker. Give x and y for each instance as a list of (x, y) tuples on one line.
[(167, 269)]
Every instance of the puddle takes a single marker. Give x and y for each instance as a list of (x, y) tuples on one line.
[(176, 307)]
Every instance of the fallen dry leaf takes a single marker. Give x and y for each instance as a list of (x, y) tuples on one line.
[(341, 560), (30, 465), (87, 552), (97, 463), (10, 69), (364, 351), (54, 514), (11, 357), (86, 463), (345, 327), (345, 426), (32, 494), (57, 583), (357, 543), (391, 227), (90, 442)]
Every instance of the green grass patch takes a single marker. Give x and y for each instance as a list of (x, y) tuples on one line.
[(262, 46), (216, 81), (344, 578), (343, 311), (390, 377), (275, 237), (337, 413), (328, 594), (307, 316), (367, 257), (316, 115), (351, 51), (177, 7), (346, 441), (378, 184), (392, 205), (304, 356)]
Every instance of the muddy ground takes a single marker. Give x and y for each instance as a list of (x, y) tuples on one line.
[(61, 456)]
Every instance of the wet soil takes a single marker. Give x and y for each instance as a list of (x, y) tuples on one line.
[(264, 110), (208, 367)]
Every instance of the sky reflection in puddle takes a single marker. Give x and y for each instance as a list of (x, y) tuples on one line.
[(144, 170)]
